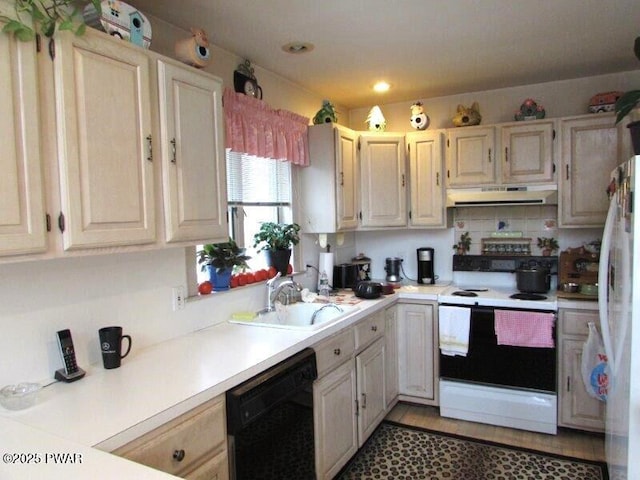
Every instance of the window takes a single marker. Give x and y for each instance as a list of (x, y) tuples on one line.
[(258, 190)]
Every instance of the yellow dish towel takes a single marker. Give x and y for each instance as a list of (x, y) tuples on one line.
[(243, 316)]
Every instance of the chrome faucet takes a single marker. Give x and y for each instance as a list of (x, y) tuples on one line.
[(273, 291), (294, 294)]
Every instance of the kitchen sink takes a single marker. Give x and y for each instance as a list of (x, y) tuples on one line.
[(298, 316)]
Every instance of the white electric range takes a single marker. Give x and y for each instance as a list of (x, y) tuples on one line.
[(511, 385)]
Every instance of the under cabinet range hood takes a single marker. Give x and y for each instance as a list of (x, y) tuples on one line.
[(502, 196)]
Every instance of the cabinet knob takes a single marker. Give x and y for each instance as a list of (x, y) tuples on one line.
[(337, 351), (150, 148), (173, 150), (374, 328), (178, 455)]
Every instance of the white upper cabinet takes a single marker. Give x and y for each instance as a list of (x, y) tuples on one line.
[(426, 179), (22, 211), (527, 152), (383, 180), (471, 156), (103, 113), (329, 185), (589, 155), (192, 153)]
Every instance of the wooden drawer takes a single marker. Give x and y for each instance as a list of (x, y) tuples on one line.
[(574, 322), (198, 436), (369, 329), (334, 350)]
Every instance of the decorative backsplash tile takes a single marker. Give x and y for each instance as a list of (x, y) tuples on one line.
[(481, 222)]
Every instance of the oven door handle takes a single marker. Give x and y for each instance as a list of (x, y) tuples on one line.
[(474, 308)]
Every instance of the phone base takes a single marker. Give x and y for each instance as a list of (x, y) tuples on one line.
[(69, 377)]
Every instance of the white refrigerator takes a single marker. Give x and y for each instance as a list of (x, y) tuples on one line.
[(619, 304)]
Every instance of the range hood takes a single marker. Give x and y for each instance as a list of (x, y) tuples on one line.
[(502, 196)]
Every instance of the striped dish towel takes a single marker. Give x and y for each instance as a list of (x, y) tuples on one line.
[(524, 329)]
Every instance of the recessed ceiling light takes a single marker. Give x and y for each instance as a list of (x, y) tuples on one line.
[(297, 47), (381, 87)]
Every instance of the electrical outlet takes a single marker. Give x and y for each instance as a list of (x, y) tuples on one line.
[(178, 298)]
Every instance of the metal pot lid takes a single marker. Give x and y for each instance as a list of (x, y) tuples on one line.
[(361, 258)]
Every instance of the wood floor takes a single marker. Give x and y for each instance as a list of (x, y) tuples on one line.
[(584, 445)]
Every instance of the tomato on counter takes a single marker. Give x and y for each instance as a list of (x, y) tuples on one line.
[(205, 288)]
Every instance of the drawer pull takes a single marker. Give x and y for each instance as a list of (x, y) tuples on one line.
[(337, 351), (178, 455), (374, 328)]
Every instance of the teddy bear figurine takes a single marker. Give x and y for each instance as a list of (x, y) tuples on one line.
[(419, 119), (467, 116)]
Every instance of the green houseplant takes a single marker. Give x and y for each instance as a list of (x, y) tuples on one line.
[(220, 259), (43, 16), (548, 245), (276, 240), (626, 103), (464, 244)]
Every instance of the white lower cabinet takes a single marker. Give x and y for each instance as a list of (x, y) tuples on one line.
[(349, 400), (391, 356), (577, 409), (335, 427), (417, 356), (192, 446)]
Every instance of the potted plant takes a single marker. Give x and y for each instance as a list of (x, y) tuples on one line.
[(220, 259), (626, 103), (464, 244), (44, 16), (276, 239), (547, 245)]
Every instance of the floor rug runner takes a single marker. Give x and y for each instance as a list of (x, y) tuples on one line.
[(402, 452)]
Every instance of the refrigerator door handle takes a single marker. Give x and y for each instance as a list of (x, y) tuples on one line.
[(603, 280)]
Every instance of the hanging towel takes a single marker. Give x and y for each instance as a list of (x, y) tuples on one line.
[(524, 329), (453, 325)]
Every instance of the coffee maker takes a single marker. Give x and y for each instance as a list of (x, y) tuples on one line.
[(425, 265)]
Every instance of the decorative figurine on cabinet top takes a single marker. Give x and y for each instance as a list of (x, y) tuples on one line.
[(467, 116), (376, 120), (419, 119), (119, 19), (530, 110), (604, 102), (194, 50), (244, 81), (326, 114)]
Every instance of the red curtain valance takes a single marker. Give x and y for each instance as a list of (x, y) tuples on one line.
[(253, 127)]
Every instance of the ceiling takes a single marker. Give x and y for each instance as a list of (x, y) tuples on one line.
[(423, 48)]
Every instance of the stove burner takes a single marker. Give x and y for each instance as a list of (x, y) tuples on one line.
[(528, 296), (464, 293)]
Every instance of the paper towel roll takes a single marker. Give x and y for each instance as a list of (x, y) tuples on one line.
[(325, 264)]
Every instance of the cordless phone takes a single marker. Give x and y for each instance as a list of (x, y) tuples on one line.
[(70, 371)]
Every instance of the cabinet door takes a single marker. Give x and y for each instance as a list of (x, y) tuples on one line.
[(335, 427), (425, 174), (577, 408), (471, 156), (22, 216), (527, 153), (104, 132), (192, 150), (417, 358), (382, 173), (589, 155), (370, 373), (391, 355), (346, 178)]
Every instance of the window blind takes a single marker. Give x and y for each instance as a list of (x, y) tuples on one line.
[(255, 180)]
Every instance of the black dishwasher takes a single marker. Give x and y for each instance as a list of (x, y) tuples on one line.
[(270, 422)]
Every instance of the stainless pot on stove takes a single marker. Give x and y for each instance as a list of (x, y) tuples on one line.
[(533, 279)]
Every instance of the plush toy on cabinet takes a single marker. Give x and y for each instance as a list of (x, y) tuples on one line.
[(326, 114), (419, 119)]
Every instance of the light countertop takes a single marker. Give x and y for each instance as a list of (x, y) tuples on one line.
[(109, 408)]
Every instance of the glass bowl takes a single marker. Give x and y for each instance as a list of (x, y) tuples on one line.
[(20, 396)]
